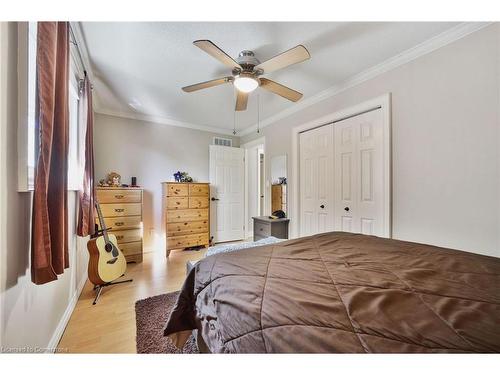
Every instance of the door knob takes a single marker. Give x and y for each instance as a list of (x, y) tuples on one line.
[(322, 206), (347, 209), (215, 199)]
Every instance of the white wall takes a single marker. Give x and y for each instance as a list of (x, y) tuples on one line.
[(446, 141), (32, 315), (152, 152)]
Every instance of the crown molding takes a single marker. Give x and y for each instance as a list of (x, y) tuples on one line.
[(163, 120), (411, 54)]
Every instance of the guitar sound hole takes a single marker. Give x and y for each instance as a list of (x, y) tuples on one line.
[(108, 247)]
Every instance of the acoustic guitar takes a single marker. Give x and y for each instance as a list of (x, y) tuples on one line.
[(107, 263)]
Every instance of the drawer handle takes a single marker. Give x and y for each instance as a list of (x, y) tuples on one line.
[(118, 196), (177, 203), (119, 209), (119, 237), (119, 224)]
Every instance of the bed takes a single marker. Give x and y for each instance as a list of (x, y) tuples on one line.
[(341, 293)]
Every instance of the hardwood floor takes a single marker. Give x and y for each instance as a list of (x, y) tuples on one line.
[(109, 326)]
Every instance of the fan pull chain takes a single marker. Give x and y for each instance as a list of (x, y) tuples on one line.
[(258, 114)]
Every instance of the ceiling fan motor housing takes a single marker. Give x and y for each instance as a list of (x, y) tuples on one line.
[(247, 60)]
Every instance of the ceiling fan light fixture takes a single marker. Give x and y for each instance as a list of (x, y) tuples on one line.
[(245, 83)]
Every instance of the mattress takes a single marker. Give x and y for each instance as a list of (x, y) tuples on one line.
[(341, 293)]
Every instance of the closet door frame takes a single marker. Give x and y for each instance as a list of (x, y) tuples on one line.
[(383, 103)]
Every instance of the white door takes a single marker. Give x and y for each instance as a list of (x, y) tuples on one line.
[(227, 193), (360, 175), (316, 180)]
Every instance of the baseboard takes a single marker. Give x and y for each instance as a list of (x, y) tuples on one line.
[(56, 337)]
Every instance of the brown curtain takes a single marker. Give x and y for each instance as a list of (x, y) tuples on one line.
[(86, 217), (49, 255)]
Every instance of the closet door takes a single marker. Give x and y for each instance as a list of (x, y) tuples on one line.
[(359, 175), (316, 180)]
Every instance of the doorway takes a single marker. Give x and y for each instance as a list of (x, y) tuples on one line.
[(255, 182), (226, 168)]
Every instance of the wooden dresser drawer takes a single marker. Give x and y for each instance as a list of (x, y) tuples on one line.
[(185, 228), (261, 229), (121, 209), (131, 248), (176, 203), (125, 222), (179, 216), (198, 190), (119, 196), (130, 235), (177, 190), (198, 202), (187, 241)]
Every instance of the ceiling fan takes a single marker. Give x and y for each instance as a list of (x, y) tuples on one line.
[(247, 71)]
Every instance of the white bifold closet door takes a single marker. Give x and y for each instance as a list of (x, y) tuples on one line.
[(316, 181), (342, 177), (359, 174)]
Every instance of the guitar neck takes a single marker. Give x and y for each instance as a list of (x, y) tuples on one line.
[(101, 222)]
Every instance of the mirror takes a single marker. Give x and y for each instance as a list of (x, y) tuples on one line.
[(279, 183)]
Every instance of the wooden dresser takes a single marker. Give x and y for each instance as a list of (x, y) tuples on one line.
[(122, 211), (186, 214)]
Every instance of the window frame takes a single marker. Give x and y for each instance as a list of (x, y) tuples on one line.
[(26, 135), (27, 127)]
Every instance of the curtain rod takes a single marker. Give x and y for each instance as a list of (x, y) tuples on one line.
[(73, 41)]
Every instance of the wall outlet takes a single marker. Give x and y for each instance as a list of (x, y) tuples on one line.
[(151, 232)]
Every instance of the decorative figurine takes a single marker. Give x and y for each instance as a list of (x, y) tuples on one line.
[(177, 176), (182, 177), (114, 179)]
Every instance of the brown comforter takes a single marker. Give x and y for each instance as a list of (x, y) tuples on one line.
[(342, 292)]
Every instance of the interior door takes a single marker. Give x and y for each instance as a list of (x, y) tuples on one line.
[(359, 174), (316, 180), (227, 193)]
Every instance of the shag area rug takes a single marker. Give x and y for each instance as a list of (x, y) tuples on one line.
[(151, 315)]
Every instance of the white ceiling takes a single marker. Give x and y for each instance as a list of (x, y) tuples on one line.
[(139, 68)]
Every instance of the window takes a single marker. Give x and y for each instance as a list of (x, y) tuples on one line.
[(28, 129), (75, 167)]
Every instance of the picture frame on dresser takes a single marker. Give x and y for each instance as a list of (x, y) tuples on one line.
[(122, 210), (186, 215)]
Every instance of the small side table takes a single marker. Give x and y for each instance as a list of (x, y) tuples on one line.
[(264, 227)]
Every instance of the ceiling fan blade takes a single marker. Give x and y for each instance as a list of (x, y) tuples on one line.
[(207, 84), (241, 100), (292, 56), (281, 90), (216, 52)]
